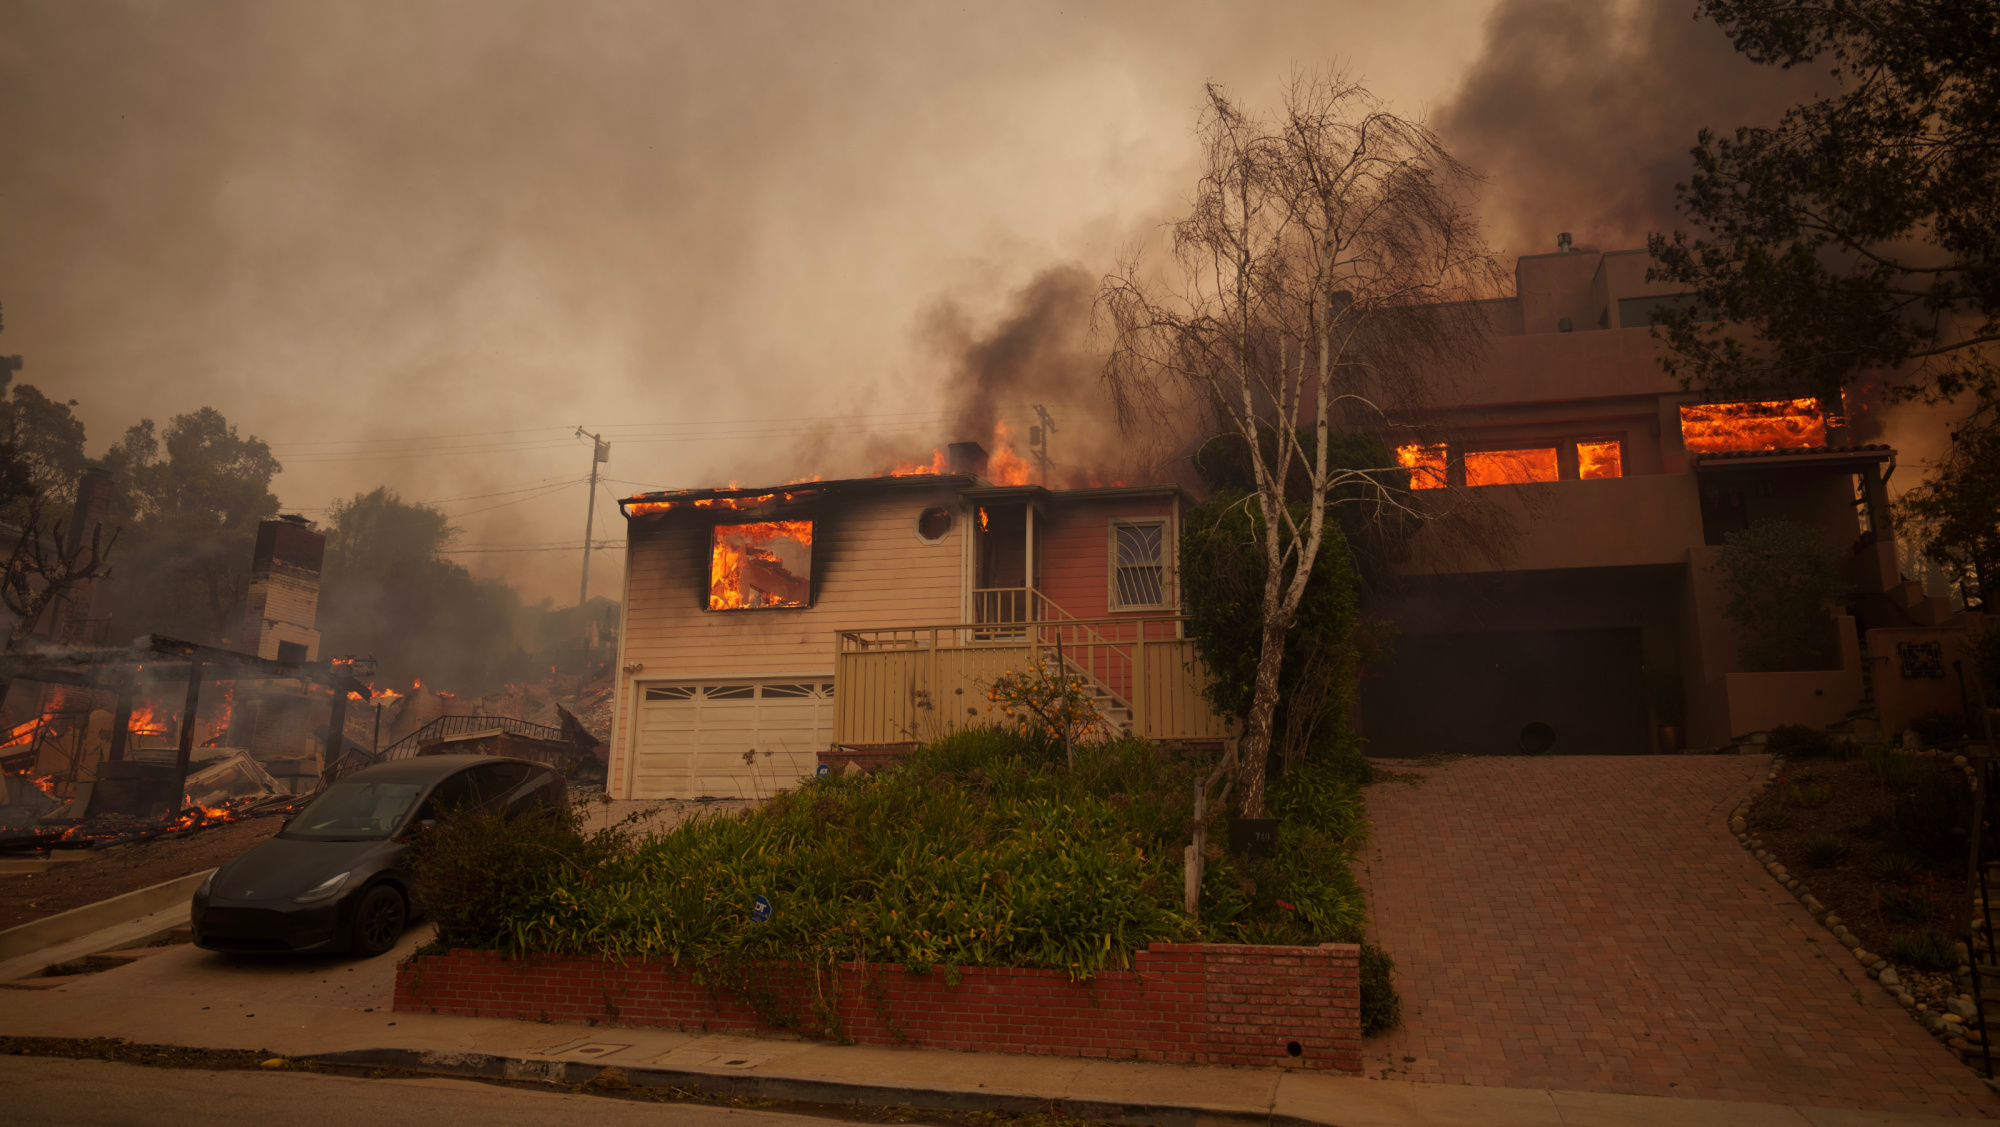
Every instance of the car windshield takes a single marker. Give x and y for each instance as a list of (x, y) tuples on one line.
[(356, 810)]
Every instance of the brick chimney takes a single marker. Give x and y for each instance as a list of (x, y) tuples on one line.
[(966, 457), (281, 614)]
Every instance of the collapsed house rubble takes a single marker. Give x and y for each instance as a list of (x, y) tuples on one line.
[(103, 761)]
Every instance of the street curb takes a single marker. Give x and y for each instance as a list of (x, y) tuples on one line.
[(42, 934), (807, 1089)]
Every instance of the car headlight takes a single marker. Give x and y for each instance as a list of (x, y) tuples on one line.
[(324, 889), (207, 885)]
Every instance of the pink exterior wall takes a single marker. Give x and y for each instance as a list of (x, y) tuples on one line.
[(1902, 699), (1075, 542)]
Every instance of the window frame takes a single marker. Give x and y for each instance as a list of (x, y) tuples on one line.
[(1167, 576)]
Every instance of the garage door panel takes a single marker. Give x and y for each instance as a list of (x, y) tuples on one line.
[(694, 744)]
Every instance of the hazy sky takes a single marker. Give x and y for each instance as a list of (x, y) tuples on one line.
[(418, 243)]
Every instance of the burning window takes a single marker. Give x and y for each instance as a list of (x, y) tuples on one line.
[(1778, 424), (1510, 467), (1425, 463), (1600, 457), (1139, 574), (768, 564)]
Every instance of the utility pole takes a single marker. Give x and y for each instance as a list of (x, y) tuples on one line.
[(1038, 441), (600, 453)]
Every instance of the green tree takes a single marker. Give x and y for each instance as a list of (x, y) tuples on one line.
[(190, 499), (1954, 516), (1860, 234), (1781, 578), (1222, 575), (389, 592)]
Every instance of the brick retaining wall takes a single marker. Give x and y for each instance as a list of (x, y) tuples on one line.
[(1195, 1003)]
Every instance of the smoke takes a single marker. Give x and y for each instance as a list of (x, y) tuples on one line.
[(1582, 115)]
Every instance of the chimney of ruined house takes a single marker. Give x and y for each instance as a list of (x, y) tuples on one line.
[(966, 457), (281, 615)]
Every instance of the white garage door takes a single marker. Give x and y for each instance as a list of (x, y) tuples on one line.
[(730, 740)]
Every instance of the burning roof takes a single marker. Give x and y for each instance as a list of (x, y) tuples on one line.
[(766, 499)]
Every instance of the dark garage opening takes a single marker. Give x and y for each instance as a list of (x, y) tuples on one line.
[(1473, 693)]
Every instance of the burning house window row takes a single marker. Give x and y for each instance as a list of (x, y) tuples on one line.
[(1430, 465)]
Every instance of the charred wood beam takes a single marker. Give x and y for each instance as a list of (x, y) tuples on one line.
[(185, 751), (121, 724)]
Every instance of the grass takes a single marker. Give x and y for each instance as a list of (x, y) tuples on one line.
[(982, 849)]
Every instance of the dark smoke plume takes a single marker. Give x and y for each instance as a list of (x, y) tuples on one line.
[(1582, 115)]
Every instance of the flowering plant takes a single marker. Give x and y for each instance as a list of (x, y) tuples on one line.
[(1044, 698)]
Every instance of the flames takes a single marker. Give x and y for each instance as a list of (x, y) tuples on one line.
[(1602, 458), (642, 508), (1425, 463), (1510, 467), (22, 734), (1777, 424), (753, 565), (1003, 466), (911, 469)]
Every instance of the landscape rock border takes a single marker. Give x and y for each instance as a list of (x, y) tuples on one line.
[(1958, 1026)]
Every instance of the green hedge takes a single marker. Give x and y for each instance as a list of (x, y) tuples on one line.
[(982, 849)]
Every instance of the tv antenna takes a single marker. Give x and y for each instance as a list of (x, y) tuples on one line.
[(1038, 441)]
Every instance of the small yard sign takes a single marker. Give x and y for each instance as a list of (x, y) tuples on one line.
[(760, 910)]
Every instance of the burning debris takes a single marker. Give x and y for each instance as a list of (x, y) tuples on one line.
[(135, 769)]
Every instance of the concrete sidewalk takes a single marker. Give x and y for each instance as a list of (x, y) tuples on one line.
[(340, 1008)]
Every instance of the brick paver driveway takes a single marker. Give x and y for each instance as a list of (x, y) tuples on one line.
[(1587, 923)]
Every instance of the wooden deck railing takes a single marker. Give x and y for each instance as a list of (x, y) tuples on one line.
[(917, 683)]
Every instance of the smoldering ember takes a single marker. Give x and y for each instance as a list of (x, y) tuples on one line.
[(1406, 565)]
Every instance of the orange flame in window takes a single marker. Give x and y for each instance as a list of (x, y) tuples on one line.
[(1510, 467), (1425, 463), (744, 573), (1598, 459), (1777, 424)]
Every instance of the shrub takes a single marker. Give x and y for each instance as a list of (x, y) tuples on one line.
[(980, 849), (1774, 819), (1891, 766), (1933, 811), (1824, 850), (1924, 949), (1381, 1007), (1935, 728), (1897, 867), (475, 872), (1780, 577), (1811, 793), (1045, 700), (1796, 741), (1906, 905)]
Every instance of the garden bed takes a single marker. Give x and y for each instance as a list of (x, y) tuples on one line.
[(1879, 839)]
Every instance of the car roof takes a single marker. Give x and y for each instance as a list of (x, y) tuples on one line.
[(424, 769)]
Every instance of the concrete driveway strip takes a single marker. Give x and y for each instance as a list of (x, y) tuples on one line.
[(81, 1093)]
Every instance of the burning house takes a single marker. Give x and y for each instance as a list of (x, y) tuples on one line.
[(768, 631), (1606, 626)]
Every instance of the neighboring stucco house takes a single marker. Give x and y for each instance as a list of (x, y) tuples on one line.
[(769, 631), (1622, 487)]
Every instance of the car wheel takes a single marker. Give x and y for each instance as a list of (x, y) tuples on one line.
[(378, 921)]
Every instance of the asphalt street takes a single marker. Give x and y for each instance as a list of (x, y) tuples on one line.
[(51, 1092)]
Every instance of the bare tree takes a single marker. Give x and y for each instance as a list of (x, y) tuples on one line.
[(40, 570), (1321, 280)]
